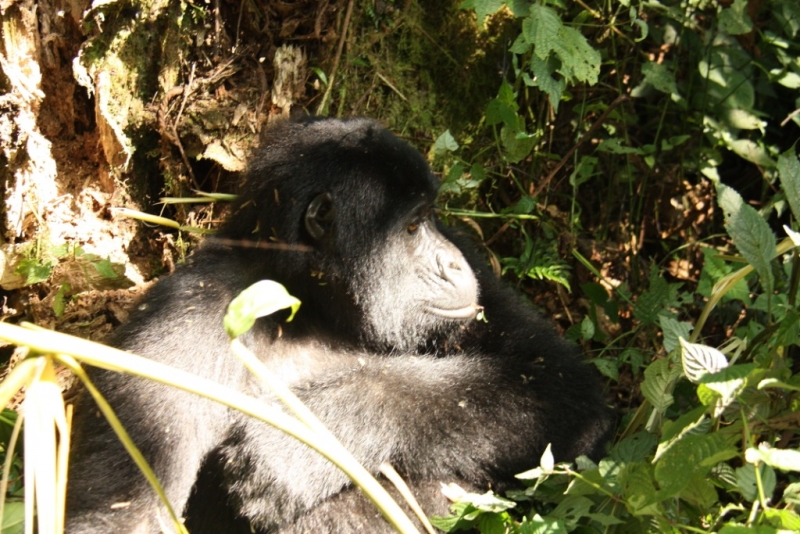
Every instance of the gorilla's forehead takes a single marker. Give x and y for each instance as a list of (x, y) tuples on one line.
[(355, 153)]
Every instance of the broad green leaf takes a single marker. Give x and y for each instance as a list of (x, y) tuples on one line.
[(747, 483), (543, 71), (735, 20), (694, 423), (789, 173), (660, 77), (444, 144), (700, 360), (572, 509), (518, 144), (615, 146), (106, 269), (607, 367), (34, 270), (750, 233), (13, 518), (635, 448), (541, 29), (578, 59), (499, 112), (728, 383), (483, 8), (638, 486), (701, 492), (587, 328), (260, 299), (542, 525), (657, 385), (673, 330), (691, 457), (786, 78), (652, 302)]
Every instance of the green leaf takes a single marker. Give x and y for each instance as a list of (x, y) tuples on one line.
[(635, 448), (735, 20), (543, 70), (615, 146), (750, 233), (700, 492), (541, 29), (106, 269), (673, 330), (661, 78), (518, 144), (653, 301), (638, 486), (499, 112), (34, 270), (789, 172), (691, 457), (579, 60), (572, 509), (260, 299), (444, 144), (747, 483), (14, 518), (657, 385), (483, 8), (488, 502), (606, 366), (59, 304)]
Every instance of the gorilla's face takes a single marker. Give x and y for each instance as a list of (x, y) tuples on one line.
[(415, 287), (380, 272)]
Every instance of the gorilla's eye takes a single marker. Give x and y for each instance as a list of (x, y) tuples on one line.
[(412, 228)]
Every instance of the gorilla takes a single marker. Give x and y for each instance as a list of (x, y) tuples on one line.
[(386, 350)]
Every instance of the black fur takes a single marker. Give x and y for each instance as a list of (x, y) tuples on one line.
[(385, 350)]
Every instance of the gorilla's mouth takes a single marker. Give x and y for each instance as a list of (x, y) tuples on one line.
[(467, 312)]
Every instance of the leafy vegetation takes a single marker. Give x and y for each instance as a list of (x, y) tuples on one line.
[(701, 94)]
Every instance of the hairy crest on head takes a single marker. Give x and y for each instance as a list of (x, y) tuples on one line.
[(385, 350)]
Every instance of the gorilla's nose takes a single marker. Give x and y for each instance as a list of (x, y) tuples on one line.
[(454, 269)]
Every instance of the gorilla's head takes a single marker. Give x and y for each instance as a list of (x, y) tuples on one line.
[(378, 270)]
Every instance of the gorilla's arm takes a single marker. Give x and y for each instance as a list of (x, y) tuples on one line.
[(173, 429)]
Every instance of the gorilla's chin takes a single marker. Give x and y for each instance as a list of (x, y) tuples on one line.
[(464, 314)]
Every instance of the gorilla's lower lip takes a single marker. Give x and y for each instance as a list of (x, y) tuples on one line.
[(467, 312)]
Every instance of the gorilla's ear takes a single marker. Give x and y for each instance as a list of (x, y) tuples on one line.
[(320, 215)]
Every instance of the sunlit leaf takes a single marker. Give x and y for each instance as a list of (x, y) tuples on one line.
[(260, 299), (700, 360), (783, 459)]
